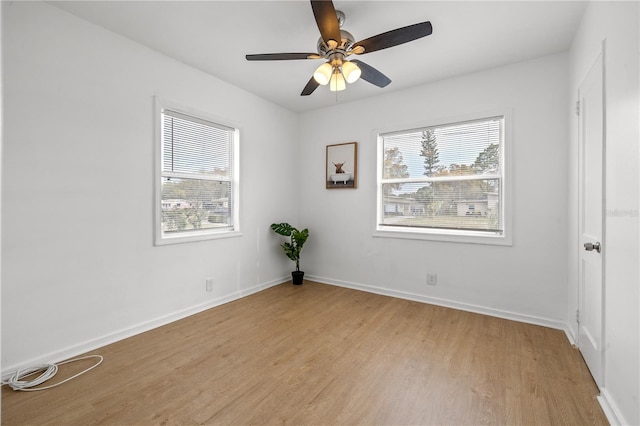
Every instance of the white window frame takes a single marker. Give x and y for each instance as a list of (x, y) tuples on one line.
[(205, 234), (450, 235)]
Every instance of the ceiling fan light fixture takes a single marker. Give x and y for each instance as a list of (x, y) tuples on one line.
[(323, 73), (337, 81), (351, 72), (335, 45)]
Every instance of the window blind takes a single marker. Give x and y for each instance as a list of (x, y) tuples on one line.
[(196, 175), (195, 146), (446, 177)]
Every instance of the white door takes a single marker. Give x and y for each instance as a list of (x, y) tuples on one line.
[(591, 228)]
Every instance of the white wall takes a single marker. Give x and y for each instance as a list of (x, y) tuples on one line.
[(617, 24), (525, 281), (79, 265)]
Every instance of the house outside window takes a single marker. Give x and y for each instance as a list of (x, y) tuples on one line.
[(197, 178), (444, 182)]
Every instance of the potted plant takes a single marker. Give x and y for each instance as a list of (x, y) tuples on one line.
[(293, 247)]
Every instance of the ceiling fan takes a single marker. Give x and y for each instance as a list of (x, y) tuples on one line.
[(336, 45)]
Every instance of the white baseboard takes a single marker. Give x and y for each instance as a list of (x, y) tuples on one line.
[(611, 410), (529, 319), (571, 334), (93, 344)]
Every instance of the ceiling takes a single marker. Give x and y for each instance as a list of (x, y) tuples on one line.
[(214, 36)]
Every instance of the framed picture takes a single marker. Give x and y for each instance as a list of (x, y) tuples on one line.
[(342, 165)]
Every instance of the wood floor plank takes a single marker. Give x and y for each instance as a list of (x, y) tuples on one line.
[(319, 354)]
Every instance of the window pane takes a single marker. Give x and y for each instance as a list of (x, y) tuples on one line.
[(192, 205), (469, 148), (467, 205), (195, 148)]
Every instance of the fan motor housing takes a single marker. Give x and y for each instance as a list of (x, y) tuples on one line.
[(345, 44)]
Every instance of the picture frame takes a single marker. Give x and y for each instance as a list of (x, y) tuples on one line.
[(342, 166)]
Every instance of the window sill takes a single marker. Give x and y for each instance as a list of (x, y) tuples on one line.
[(185, 238), (451, 236)]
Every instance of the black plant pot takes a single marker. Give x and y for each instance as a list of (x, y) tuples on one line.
[(297, 276)]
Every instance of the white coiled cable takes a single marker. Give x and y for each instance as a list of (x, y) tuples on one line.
[(48, 371)]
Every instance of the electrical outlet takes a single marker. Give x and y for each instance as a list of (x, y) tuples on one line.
[(432, 279), (209, 284)]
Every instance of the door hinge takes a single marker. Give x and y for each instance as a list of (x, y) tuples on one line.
[(578, 316), (578, 107)]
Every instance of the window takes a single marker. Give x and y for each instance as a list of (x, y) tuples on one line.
[(444, 182), (197, 196)]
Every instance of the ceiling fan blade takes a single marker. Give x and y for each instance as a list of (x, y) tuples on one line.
[(310, 87), (395, 37), (371, 74), (327, 20), (281, 56)]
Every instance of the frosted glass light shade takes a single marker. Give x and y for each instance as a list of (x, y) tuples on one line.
[(323, 73), (337, 82), (351, 72)]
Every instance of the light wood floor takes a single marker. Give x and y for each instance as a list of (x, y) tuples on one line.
[(318, 354)]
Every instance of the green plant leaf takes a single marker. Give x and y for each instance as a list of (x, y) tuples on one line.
[(283, 229), (291, 251), (300, 237)]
